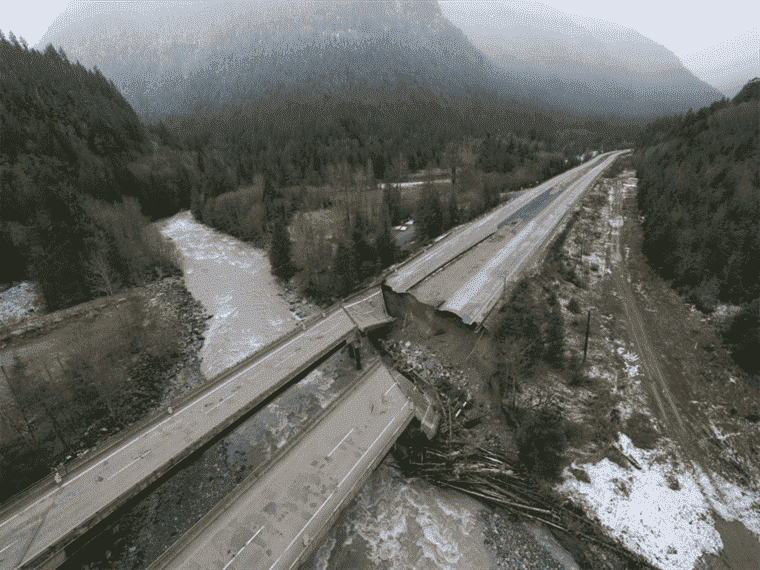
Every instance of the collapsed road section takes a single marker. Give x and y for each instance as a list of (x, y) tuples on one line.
[(466, 273), (272, 521)]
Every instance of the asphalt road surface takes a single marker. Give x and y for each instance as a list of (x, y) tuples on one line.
[(269, 522), (468, 235), (475, 298)]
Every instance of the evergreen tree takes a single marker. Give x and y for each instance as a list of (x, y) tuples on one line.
[(363, 253), (429, 215), (452, 214), (344, 270), (743, 335), (385, 245), (392, 204), (279, 250)]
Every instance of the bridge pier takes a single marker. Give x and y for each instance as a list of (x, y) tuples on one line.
[(355, 350)]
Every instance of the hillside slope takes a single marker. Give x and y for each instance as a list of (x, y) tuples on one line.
[(585, 62), (221, 52), (700, 194), (69, 139), (169, 59)]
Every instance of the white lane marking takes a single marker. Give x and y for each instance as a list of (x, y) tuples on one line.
[(219, 403), (339, 484), (389, 389), (7, 547), (304, 527), (357, 302), (241, 550), (373, 443), (127, 465), (341, 442), (14, 516), (187, 407), (469, 292)]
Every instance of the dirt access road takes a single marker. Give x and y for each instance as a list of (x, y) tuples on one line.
[(671, 390)]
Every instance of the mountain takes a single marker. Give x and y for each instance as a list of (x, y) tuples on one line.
[(170, 58), (219, 52), (728, 65), (589, 63)]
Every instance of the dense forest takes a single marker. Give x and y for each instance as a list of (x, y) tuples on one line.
[(699, 192), (70, 213), (290, 161)]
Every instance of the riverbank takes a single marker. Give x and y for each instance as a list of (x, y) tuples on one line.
[(55, 347)]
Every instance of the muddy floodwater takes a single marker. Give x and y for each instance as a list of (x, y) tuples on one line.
[(233, 281)]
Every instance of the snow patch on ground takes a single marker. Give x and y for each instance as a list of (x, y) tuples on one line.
[(629, 359), (671, 528), (17, 303)]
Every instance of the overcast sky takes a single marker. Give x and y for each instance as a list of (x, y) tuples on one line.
[(683, 27)]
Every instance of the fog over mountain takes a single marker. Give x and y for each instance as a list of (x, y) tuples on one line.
[(170, 57), (728, 65), (587, 60)]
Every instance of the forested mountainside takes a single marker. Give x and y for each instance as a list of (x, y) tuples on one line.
[(73, 148), (170, 61), (271, 163), (580, 63), (171, 58), (68, 141), (699, 191)]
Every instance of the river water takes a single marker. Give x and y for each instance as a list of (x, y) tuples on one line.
[(394, 522)]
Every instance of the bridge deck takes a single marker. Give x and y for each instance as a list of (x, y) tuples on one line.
[(271, 521), (34, 530), (368, 310)]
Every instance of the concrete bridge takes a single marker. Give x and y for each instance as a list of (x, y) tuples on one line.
[(41, 527)]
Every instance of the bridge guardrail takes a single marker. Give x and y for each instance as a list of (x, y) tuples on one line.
[(48, 483)]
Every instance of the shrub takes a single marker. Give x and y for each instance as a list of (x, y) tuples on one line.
[(279, 251), (641, 431), (743, 334), (577, 376), (573, 306), (541, 441)]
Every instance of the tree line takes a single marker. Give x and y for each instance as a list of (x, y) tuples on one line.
[(106, 383), (70, 213), (699, 192)]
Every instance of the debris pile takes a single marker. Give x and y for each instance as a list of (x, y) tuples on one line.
[(425, 366), (455, 460)]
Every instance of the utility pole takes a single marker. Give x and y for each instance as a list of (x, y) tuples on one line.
[(585, 344)]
